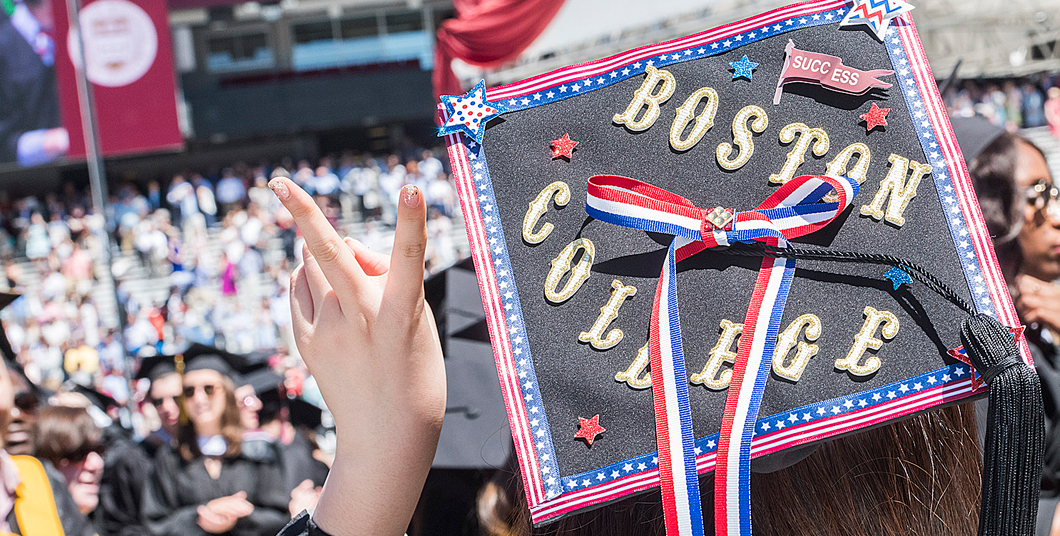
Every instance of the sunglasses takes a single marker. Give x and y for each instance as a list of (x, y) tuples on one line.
[(81, 454), (1044, 195), (156, 402), (27, 401), (209, 389)]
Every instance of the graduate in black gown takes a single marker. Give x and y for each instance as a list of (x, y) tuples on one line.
[(285, 423), (1018, 198), (128, 464), (206, 483)]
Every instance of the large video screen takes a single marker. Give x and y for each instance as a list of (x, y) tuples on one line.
[(128, 61)]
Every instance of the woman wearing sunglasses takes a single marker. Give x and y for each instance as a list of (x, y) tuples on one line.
[(1019, 203), (206, 483)]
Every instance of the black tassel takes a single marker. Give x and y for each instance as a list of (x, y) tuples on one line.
[(1015, 434)]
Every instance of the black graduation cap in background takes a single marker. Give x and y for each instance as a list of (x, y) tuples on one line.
[(717, 130), (200, 356), (36, 392), (156, 366)]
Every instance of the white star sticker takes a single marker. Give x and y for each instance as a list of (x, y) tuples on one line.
[(625, 71), (835, 410), (550, 94), (876, 397), (793, 417), (713, 45), (641, 466), (821, 411), (891, 394), (904, 388), (628, 467)]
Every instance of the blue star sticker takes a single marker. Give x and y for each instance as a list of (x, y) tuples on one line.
[(470, 112), (898, 277), (742, 68)]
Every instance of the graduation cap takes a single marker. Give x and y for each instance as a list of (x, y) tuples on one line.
[(200, 357), (36, 393), (156, 366), (725, 246)]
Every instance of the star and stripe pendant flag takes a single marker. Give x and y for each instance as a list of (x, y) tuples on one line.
[(793, 210)]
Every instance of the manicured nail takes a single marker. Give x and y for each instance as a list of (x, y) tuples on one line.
[(411, 195), (280, 189)]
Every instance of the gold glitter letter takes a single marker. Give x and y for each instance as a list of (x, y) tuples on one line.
[(866, 339), (561, 265), (741, 136), (645, 98), (608, 313), (637, 375), (797, 155), (537, 209), (901, 192), (722, 351), (787, 341), (838, 166), (704, 121)]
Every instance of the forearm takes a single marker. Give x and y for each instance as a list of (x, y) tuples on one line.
[(365, 496)]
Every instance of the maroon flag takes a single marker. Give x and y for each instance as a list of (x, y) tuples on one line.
[(828, 71)]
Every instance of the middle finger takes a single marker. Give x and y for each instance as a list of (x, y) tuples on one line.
[(319, 287)]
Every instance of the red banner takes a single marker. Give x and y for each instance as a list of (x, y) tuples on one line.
[(129, 59), (826, 70)]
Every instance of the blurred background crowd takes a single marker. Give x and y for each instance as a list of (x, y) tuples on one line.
[(186, 267)]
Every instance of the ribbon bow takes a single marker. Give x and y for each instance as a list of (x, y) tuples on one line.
[(794, 210)]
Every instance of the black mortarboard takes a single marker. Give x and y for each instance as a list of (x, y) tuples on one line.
[(156, 366), (262, 380), (303, 413), (847, 308), (199, 357), (10, 359), (100, 400), (6, 298)]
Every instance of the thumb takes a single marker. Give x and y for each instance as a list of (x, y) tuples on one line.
[(405, 282)]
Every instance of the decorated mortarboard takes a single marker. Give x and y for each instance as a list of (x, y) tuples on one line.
[(721, 247)]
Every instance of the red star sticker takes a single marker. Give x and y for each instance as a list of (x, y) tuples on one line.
[(588, 429), (563, 147), (875, 117), (958, 354)]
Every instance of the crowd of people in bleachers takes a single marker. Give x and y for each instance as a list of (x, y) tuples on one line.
[(205, 258), (1011, 103)]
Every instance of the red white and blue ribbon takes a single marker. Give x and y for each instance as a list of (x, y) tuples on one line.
[(794, 210)]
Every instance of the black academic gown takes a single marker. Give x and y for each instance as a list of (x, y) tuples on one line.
[(1047, 363), (126, 467), (299, 464), (176, 488)]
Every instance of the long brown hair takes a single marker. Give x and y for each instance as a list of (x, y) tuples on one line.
[(231, 427), (919, 476)]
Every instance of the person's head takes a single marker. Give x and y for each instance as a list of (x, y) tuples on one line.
[(22, 414), (164, 395), (249, 405), (1018, 199), (210, 408), (71, 441)]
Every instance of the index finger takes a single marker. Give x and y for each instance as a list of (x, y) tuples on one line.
[(331, 252)]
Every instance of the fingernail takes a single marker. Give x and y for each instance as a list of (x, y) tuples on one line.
[(410, 195), (280, 189)]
